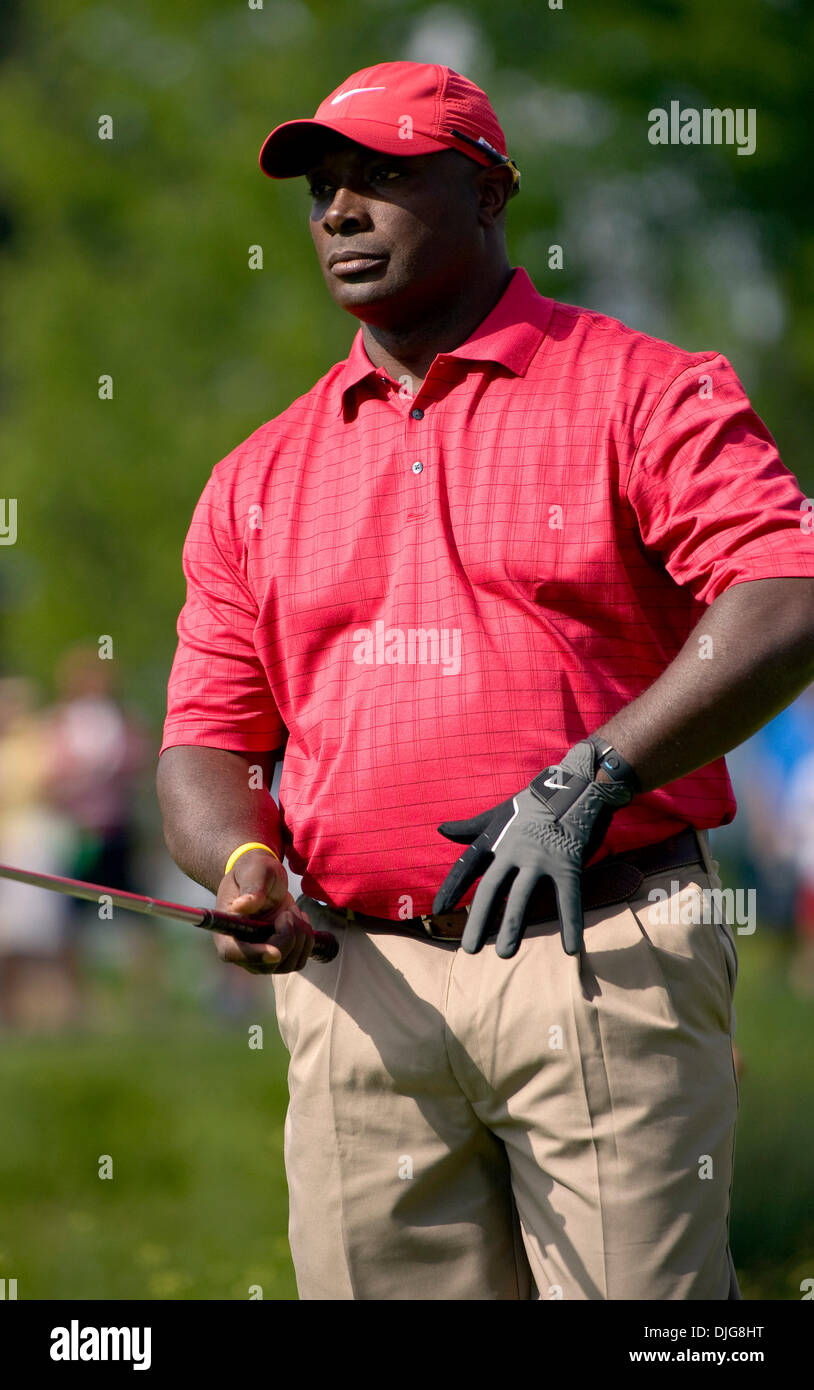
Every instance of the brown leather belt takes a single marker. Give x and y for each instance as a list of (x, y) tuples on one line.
[(614, 879)]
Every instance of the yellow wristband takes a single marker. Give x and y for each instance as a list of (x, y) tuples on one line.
[(241, 849)]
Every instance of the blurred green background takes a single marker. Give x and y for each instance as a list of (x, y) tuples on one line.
[(130, 257)]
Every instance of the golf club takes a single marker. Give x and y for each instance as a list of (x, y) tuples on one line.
[(325, 945)]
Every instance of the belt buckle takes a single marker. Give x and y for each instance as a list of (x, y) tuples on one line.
[(428, 923)]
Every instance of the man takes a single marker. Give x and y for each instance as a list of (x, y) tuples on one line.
[(517, 569)]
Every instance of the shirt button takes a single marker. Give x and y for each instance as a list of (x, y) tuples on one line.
[(418, 466), (417, 414)]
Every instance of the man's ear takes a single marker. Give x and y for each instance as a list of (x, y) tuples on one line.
[(493, 187)]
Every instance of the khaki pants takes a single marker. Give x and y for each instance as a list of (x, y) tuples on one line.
[(466, 1127)]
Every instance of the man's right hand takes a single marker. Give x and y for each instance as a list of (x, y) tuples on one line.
[(258, 885)]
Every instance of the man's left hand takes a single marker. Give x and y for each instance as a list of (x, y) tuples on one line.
[(550, 829)]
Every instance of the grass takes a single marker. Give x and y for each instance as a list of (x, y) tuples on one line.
[(193, 1122), (192, 1119), (773, 1194)]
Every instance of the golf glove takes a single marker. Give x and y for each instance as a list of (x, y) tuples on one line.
[(550, 829)]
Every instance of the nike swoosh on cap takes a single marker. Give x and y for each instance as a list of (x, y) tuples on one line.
[(353, 91)]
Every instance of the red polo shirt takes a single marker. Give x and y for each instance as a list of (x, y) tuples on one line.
[(434, 597)]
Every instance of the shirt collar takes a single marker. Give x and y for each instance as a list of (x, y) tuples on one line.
[(510, 335)]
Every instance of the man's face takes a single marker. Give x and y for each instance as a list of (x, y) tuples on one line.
[(393, 234)]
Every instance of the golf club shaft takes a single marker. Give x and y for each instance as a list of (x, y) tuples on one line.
[(211, 919)]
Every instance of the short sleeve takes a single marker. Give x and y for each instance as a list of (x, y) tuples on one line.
[(712, 498), (218, 694)]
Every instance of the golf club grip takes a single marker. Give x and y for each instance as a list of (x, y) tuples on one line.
[(325, 944), (324, 949)]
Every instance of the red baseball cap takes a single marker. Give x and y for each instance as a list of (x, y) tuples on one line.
[(399, 109)]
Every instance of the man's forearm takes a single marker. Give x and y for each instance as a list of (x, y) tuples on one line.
[(209, 807), (748, 658)]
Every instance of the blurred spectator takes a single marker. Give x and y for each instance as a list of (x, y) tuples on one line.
[(37, 972), (798, 833), (97, 753), (757, 847)]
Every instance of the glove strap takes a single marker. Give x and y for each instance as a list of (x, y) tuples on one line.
[(614, 764)]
